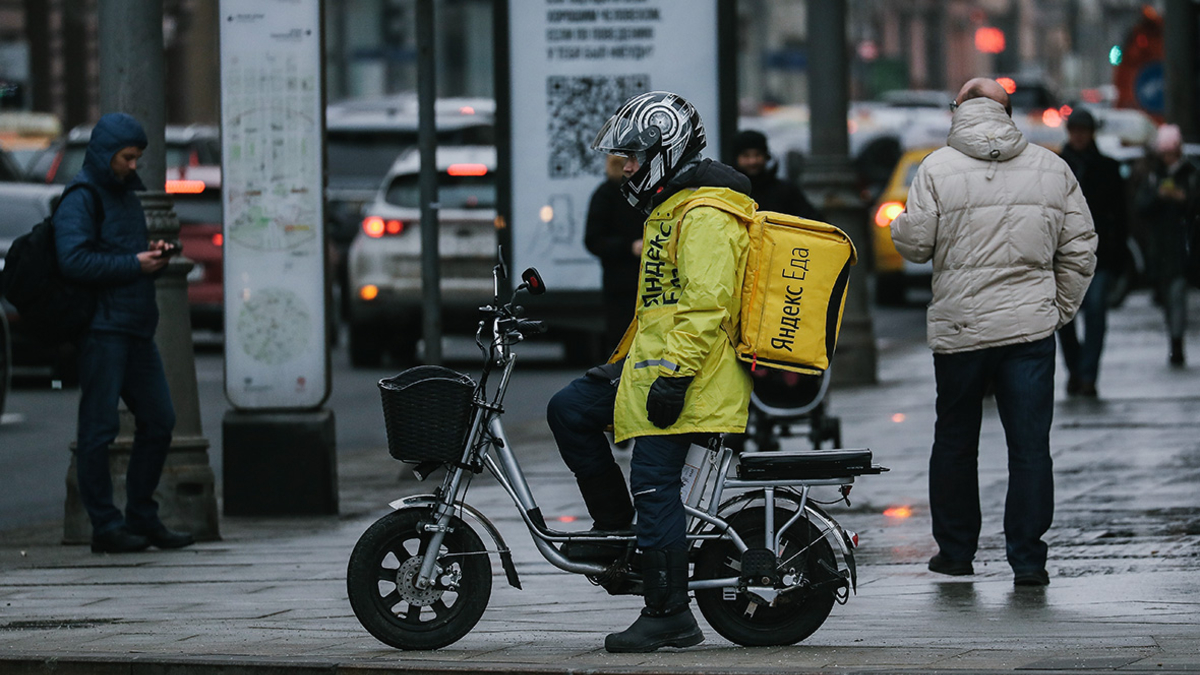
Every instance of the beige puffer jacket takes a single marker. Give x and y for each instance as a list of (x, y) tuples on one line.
[(1008, 230)]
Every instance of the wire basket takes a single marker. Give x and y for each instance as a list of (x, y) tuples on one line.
[(427, 412)]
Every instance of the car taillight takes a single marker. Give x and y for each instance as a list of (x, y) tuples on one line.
[(887, 213), (185, 187), (218, 239), (467, 170), (374, 226), (53, 170), (1051, 117)]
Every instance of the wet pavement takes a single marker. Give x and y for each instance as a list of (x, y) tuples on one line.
[(270, 596)]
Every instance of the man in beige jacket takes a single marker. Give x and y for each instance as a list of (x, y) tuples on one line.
[(1013, 251)]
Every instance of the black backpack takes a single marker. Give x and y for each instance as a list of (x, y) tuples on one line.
[(52, 307)]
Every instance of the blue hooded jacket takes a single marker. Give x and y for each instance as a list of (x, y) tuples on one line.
[(105, 256)]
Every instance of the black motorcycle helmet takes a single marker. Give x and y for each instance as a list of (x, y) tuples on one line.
[(662, 130)]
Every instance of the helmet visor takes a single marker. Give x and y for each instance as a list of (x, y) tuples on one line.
[(620, 136)]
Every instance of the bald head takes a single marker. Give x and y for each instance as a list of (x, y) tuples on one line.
[(984, 87)]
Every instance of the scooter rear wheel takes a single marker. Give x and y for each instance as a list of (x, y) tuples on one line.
[(796, 614), (384, 566)]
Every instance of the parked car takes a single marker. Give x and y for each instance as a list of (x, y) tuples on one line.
[(385, 258), (893, 274), (186, 147), (25, 205), (363, 139)]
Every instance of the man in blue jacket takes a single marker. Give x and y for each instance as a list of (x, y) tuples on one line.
[(104, 245)]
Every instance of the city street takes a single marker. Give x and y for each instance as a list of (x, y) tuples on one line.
[(39, 426), (367, 173), (271, 595)]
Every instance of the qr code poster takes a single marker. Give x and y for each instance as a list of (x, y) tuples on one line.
[(577, 106), (572, 63)]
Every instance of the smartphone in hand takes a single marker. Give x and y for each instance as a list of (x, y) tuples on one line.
[(170, 250)]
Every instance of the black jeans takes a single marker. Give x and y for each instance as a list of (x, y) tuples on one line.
[(1083, 357), (578, 415), (115, 367), (1023, 377)]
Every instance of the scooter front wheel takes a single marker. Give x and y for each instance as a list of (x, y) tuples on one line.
[(804, 552), (381, 581)]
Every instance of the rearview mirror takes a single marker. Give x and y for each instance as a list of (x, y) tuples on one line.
[(533, 282), (499, 272)]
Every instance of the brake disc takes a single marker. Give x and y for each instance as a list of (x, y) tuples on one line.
[(406, 584)]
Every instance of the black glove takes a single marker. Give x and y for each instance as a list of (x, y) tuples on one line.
[(664, 403)]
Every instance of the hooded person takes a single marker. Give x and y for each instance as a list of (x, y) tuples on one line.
[(104, 245), (1009, 234), (674, 380)]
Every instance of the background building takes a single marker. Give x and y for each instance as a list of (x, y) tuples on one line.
[(48, 49)]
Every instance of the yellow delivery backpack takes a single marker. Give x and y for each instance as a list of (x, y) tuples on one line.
[(794, 290)]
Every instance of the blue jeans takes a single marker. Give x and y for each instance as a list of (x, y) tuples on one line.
[(1023, 377), (115, 367), (1083, 359), (578, 415)]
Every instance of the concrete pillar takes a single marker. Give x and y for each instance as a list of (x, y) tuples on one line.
[(131, 81), (829, 179), (196, 88)]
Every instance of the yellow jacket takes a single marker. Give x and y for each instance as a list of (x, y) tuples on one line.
[(690, 285)]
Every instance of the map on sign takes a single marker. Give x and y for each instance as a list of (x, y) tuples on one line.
[(269, 205), (272, 326), (271, 176)]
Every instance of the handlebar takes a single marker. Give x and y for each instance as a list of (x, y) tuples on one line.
[(528, 327), (504, 321)]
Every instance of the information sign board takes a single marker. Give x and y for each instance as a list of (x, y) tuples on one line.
[(276, 352)]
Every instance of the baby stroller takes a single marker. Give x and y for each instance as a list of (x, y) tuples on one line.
[(785, 404)]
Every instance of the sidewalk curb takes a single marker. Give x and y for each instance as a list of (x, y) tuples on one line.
[(237, 665)]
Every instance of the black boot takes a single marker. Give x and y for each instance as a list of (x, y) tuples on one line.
[(1177, 359), (608, 503), (666, 620), (120, 540)]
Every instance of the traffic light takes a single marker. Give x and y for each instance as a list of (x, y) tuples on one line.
[(989, 40)]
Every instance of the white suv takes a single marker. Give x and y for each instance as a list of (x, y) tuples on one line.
[(384, 271)]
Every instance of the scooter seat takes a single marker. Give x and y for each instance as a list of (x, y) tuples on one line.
[(806, 464)]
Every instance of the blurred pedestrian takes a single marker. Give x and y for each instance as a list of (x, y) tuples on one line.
[(768, 191), (1013, 250), (1168, 200), (118, 359), (614, 235), (1100, 179)]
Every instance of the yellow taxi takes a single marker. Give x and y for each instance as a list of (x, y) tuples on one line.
[(893, 274)]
